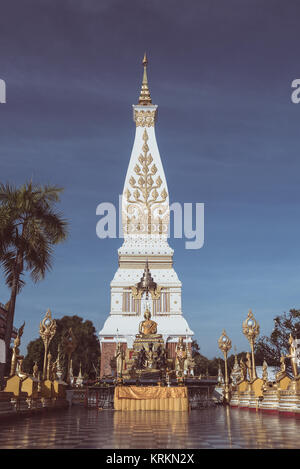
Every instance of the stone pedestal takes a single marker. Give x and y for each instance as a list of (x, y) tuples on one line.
[(235, 399), (244, 399), (255, 393), (143, 341), (270, 400), (289, 400), (243, 390), (288, 403), (254, 401)]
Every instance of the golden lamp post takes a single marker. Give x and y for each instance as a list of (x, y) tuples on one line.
[(47, 332), (69, 344), (225, 345), (251, 331)]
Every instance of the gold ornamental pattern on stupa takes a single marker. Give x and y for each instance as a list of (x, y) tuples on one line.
[(146, 210), (144, 118)]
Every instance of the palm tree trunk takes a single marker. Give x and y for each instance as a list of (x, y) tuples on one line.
[(10, 317)]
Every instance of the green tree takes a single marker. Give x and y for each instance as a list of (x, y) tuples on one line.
[(273, 347), (35, 353), (29, 228), (203, 365), (87, 352)]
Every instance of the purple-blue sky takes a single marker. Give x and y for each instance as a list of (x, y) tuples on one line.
[(227, 131)]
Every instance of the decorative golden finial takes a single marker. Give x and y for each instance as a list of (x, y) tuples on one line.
[(251, 331), (145, 97), (47, 332)]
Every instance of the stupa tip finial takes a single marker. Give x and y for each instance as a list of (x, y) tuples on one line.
[(145, 97), (145, 60)]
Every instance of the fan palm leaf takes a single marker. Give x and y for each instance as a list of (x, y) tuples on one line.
[(29, 228)]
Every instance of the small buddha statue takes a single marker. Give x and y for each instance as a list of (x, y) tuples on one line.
[(19, 370), (180, 357), (150, 356), (293, 356), (282, 372), (265, 376), (119, 356), (53, 371), (249, 366), (35, 370), (147, 327), (16, 351), (243, 372)]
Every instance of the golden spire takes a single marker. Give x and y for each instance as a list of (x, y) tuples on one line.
[(145, 97)]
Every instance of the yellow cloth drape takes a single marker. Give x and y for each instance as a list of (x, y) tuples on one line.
[(151, 398)]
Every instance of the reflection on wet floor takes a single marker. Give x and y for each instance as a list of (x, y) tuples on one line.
[(210, 428)]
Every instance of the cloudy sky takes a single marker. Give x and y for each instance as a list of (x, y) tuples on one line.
[(228, 134)]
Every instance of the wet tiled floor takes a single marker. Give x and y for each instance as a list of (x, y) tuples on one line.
[(211, 428)]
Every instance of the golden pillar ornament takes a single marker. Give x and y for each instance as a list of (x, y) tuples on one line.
[(69, 344), (49, 365), (47, 332), (225, 345), (251, 331), (59, 370)]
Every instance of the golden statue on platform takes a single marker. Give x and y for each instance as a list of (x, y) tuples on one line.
[(282, 372), (293, 356), (119, 356), (180, 359), (148, 352), (249, 366), (148, 327), (265, 376), (16, 351), (35, 370), (243, 373)]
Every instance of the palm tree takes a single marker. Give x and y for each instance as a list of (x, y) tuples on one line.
[(29, 228)]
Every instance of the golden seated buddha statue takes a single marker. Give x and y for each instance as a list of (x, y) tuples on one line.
[(148, 327)]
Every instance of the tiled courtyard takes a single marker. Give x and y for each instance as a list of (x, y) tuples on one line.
[(211, 428)]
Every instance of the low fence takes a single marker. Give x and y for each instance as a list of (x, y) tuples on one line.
[(100, 398), (200, 396)]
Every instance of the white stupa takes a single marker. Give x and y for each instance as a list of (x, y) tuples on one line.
[(145, 252)]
